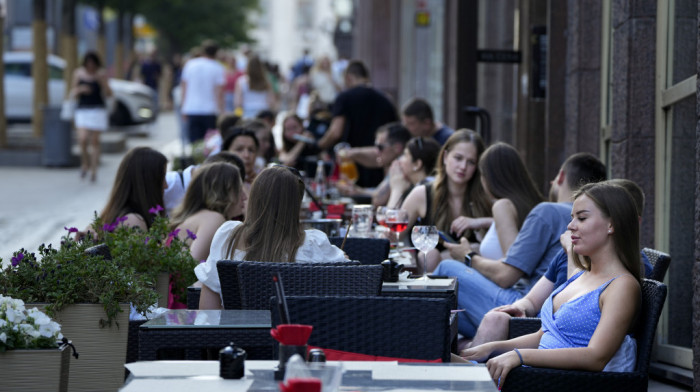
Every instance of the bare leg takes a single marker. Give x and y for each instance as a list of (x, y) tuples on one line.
[(84, 155), (95, 156), (493, 327), (433, 259)]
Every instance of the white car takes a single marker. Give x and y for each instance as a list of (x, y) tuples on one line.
[(134, 102)]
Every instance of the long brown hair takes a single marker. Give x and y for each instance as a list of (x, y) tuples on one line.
[(257, 78), (616, 203), (271, 231), (507, 177), (138, 185), (475, 202), (215, 186)]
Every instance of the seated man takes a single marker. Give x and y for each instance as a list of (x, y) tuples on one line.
[(495, 324), (485, 284)]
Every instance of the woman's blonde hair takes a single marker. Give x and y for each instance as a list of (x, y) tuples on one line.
[(215, 187), (475, 202), (271, 231), (616, 204)]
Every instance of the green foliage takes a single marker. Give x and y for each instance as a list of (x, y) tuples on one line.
[(151, 252), (65, 276)]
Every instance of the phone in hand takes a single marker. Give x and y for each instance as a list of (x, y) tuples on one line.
[(447, 238)]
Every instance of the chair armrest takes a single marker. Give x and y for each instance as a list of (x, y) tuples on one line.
[(520, 326), (193, 297), (543, 379)]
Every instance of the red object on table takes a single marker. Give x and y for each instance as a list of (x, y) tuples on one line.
[(292, 334), (301, 385)]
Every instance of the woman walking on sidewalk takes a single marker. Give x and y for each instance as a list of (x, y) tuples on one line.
[(90, 89)]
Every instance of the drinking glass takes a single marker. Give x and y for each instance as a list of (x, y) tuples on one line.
[(381, 215), (348, 169), (362, 219), (397, 221), (424, 238)]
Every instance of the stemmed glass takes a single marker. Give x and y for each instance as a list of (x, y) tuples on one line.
[(424, 238), (397, 221), (381, 215)]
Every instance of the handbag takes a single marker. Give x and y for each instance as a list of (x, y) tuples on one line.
[(68, 110)]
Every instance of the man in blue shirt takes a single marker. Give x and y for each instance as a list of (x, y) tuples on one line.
[(417, 117), (484, 283)]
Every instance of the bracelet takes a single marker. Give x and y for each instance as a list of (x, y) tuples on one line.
[(519, 356)]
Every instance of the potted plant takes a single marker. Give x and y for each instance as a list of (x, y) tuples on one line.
[(28, 337), (158, 254), (90, 297)]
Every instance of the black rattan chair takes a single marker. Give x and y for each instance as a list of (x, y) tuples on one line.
[(399, 327), (365, 250), (256, 287), (99, 250), (659, 262), (541, 379), (228, 277)]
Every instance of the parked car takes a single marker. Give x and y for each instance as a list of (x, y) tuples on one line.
[(134, 102)]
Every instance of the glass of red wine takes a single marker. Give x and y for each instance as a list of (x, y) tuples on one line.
[(397, 221)]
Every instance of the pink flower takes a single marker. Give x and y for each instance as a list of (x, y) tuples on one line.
[(171, 236), (155, 210)]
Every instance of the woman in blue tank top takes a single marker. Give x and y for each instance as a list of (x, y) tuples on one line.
[(586, 323)]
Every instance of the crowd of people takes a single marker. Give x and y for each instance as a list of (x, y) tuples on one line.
[(576, 255)]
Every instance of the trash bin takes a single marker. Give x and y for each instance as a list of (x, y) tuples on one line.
[(57, 139)]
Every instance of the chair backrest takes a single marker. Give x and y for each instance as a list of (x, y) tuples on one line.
[(365, 250), (400, 327), (228, 277), (653, 297), (659, 263), (256, 288)]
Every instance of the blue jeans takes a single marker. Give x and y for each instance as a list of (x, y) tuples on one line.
[(198, 125), (477, 294)]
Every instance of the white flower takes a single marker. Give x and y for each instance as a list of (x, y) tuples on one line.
[(3, 337), (39, 317), (2, 323)]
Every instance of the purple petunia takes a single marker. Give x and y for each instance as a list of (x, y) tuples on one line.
[(17, 259), (171, 236), (109, 227), (145, 242), (121, 219), (191, 235), (71, 229), (155, 210)]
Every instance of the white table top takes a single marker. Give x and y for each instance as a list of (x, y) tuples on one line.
[(186, 376)]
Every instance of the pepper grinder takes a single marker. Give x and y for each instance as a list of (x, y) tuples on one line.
[(232, 362)]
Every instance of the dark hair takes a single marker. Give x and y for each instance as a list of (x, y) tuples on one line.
[(210, 47), (427, 150), (271, 231), (418, 108), (257, 76), (475, 202), (92, 56), (357, 68), (138, 185), (396, 133), (226, 122), (506, 177), (265, 115), (235, 133), (618, 205), (228, 157), (634, 190), (583, 168), (289, 144)]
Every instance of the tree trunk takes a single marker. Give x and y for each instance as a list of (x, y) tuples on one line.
[(40, 68), (69, 42), (3, 120)]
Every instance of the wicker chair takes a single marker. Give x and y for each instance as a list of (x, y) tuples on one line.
[(659, 262), (99, 250), (228, 277), (541, 379), (256, 287), (400, 327), (365, 250)]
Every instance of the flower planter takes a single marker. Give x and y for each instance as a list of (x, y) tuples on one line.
[(35, 370), (100, 366)]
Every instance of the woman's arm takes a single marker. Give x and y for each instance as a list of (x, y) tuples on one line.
[(482, 352), (398, 184), (289, 158), (209, 299), (104, 83), (505, 216), (238, 93)]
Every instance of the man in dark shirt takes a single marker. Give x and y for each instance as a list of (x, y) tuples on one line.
[(357, 113)]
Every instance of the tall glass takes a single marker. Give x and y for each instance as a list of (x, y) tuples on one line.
[(348, 169), (424, 238), (397, 221), (362, 219)]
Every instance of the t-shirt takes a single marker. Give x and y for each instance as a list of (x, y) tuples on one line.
[(365, 109), (202, 76), (443, 134), (537, 242), (177, 187), (315, 249)]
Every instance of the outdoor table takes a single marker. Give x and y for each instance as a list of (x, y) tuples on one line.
[(188, 376), (201, 329)]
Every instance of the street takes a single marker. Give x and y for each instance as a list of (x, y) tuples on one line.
[(36, 203)]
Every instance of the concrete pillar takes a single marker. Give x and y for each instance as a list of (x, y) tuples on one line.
[(696, 264)]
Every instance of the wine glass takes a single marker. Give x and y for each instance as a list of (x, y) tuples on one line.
[(424, 238), (381, 215), (397, 221)]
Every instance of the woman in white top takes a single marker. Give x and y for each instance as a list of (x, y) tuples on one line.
[(506, 180), (253, 92), (271, 232)]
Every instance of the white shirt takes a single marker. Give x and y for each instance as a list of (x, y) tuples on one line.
[(490, 246), (315, 249), (253, 100), (202, 75), (177, 187)]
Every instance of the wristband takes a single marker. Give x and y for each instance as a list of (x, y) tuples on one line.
[(519, 356)]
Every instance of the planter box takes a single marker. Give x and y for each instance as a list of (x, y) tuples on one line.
[(163, 289), (100, 366), (35, 370)]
